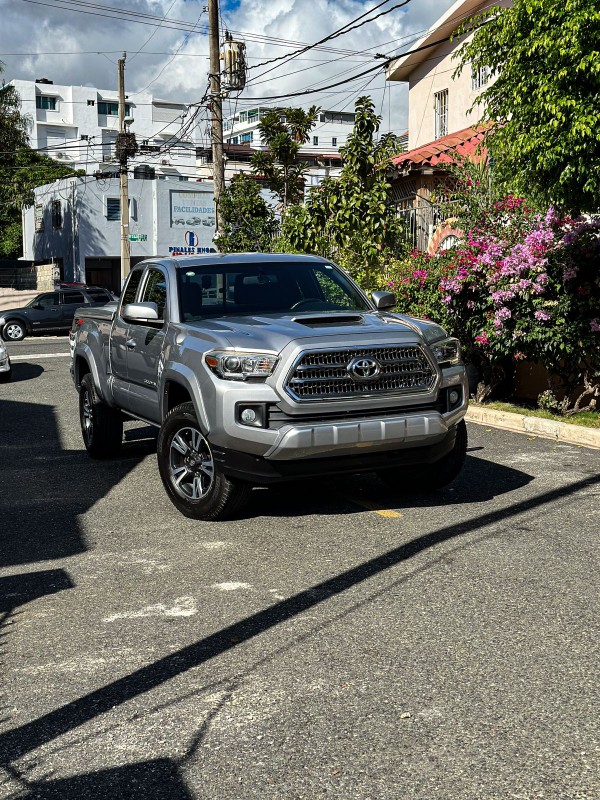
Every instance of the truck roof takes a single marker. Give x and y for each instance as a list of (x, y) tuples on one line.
[(212, 259)]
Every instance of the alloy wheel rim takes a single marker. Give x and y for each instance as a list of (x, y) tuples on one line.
[(14, 331), (87, 419), (191, 466)]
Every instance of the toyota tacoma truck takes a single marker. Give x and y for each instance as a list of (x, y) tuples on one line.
[(258, 368)]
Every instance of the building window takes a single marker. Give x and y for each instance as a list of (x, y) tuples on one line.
[(56, 214), (334, 141), (44, 102), (479, 78), (113, 209), (253, 116), (315, 140), (321, 117), (247, 137), (112, 109), (441, 113), (235, 140), (243, 116)]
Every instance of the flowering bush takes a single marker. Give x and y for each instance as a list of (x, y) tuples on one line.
[(525, 285), (415, 280)]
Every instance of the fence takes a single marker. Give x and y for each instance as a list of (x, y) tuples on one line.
[(422, 221)]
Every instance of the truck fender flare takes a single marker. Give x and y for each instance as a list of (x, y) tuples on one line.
[(179, 373), (84, 352)]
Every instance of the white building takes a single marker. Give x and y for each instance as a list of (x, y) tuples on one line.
[(321, 154), (78, 126), (75, 222)]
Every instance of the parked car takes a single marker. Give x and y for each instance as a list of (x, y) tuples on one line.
[(258, 368), (50, 312), (5, 366), (193, 221)]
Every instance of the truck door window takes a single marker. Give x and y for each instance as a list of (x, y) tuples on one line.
[(132, 287), (155, 291)]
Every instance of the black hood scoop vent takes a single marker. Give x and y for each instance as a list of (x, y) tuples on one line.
[(329, 321)]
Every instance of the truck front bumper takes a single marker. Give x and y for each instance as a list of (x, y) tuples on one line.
[(263, 471), (345, 438)]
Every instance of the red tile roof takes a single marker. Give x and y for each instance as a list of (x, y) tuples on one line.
[(464, 142)]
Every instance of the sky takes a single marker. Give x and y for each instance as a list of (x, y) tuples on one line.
[(62, 41)]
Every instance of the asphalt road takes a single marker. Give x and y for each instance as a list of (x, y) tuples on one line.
[(338, 641)]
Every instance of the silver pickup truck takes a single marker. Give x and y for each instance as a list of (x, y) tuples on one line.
[(261, 368)]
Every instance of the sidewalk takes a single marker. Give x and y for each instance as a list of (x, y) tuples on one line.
[(546, 428)]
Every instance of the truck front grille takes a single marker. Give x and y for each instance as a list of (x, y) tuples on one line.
[(357, 372)]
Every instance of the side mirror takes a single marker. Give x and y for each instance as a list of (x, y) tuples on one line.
[(383, 300), (141, 313)]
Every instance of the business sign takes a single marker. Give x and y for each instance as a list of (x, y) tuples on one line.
[(193, 218), (138, 237), (38, 214)]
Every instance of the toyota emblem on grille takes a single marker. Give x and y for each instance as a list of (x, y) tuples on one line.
[(363, 369)]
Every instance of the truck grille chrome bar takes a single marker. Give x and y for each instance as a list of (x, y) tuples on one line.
[(359, 372)]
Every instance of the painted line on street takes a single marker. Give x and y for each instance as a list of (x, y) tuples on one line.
[(383, 512), (35, 356)]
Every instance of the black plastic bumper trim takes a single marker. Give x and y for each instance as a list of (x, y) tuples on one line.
[(262, 471)]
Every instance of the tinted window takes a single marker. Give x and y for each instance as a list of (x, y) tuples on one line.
[(71, 298), (155, 290), (99, 295), (267, 288), (132, 286), (46, 300)]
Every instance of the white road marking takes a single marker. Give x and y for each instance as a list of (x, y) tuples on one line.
[(35, 356), (230, 586), (184, 607)]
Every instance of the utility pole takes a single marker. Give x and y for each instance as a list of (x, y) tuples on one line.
[(216, 106), (123, 177)]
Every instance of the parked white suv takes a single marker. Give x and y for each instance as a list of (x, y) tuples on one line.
[(5, 366)]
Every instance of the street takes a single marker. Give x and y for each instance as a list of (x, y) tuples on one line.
[(334, 641)]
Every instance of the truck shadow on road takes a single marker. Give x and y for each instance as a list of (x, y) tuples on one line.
[(479, 481)]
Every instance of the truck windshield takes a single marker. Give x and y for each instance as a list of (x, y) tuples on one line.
[(269, 287)]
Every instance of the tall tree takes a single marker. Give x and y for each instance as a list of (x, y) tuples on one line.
[(21, 170), (249, 223), (351, 218), (544, 101), (284, 131)]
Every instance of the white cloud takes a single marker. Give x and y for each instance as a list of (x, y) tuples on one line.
[(47, 32)]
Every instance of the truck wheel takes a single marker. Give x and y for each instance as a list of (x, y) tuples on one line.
[(101, 425), (13, 331), (193, 482), (426, 478)]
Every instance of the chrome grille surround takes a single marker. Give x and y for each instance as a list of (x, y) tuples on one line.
[(323, 374)]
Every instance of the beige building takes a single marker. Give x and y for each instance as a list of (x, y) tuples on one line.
[(441, 125), (438, 103)]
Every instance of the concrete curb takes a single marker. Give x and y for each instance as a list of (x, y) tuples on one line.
[(547, 428)]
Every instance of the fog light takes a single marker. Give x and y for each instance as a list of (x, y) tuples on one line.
[(453, 397), (248, 416)]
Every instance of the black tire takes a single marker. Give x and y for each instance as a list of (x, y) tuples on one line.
[(14, 331), (101, 425), (195, 485), (427, 478)]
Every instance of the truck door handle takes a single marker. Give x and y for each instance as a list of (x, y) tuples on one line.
[(130, 343)]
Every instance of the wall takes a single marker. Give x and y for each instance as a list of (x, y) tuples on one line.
[(434, 74)]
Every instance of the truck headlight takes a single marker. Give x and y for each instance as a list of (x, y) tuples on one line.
[(240, 366), (447, 351)]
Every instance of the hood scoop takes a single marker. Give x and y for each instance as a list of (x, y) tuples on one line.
[(333, 320)]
